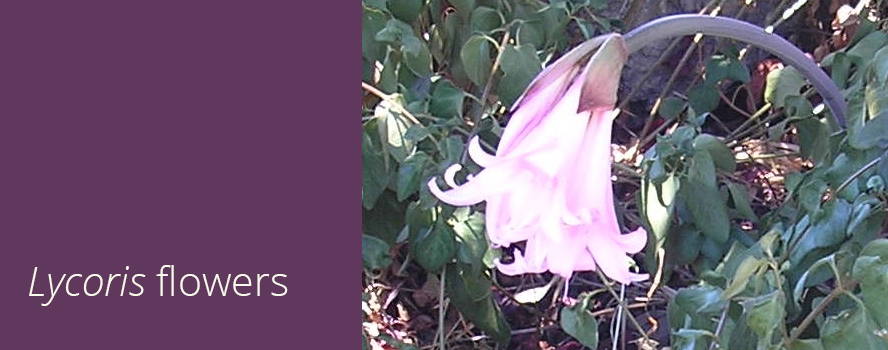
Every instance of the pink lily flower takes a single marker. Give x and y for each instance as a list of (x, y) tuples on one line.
[(549, 183)]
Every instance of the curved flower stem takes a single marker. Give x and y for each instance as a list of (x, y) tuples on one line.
[(679, 25)]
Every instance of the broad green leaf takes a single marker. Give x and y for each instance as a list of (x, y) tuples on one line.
[(813, 138), (783, 82), (372, 21), (683, 245), (818, 272), (393, 126), (447, 100), (374, 177), (691, 339), (475, 57), (867, 47), (880, 65), (740, 198), (375, 253), (520, 64), (827, 231), (451, 149), (485, 19), (461, 286), (472, 242), (869, 135), (580, 324), (840, 69), (670, 108), (805, 344), (719, 67), (871, 269), (874, 96), (658, 204), (703, 199), (531, 33), (410, 175), (721, 154), (749, 267), (703, 98), (764, 313), (851, 329), (405, 10), (386, 219), (693, 306), (420, 62), (463, 8), (435, 246), (398, 32)]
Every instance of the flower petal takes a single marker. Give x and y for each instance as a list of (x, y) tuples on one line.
[(479, 156)]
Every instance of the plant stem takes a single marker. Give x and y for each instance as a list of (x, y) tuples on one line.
[(841, 289), (678, 25), (623, 305), (441, 311)]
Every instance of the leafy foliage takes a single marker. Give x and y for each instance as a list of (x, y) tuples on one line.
[(805, 269)]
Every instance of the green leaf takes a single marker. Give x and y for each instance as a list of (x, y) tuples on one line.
[(579, 323), (703, 199), (720, 67), (485, 19), (472, 242), (388, 77), (420, 62), (871, 269), (827, 231), (405, 10), (393, 126), (475, 57), (749, 267), (463, 7), (880, 65), (691, 339), (451, 149), (375, 253), (372, 21), (703, 98), (851, 329), (693, 306), (683, 247), (740, 198), (410, 175), (764, 312), (805, 344), (670, 108), (866, 48), (783, 82), (840, 69), (721, 154), (520, 64), (374, 177), (531, 33), (447, 100), (386, 219), (461, 286), (433, 247)]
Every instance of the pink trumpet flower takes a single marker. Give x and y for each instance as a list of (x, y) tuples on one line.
[(549, 183)]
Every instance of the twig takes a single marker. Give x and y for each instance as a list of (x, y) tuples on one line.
[(841, 289), (387, 97)]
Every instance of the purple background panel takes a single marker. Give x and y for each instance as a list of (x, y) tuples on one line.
[(144, 134)]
